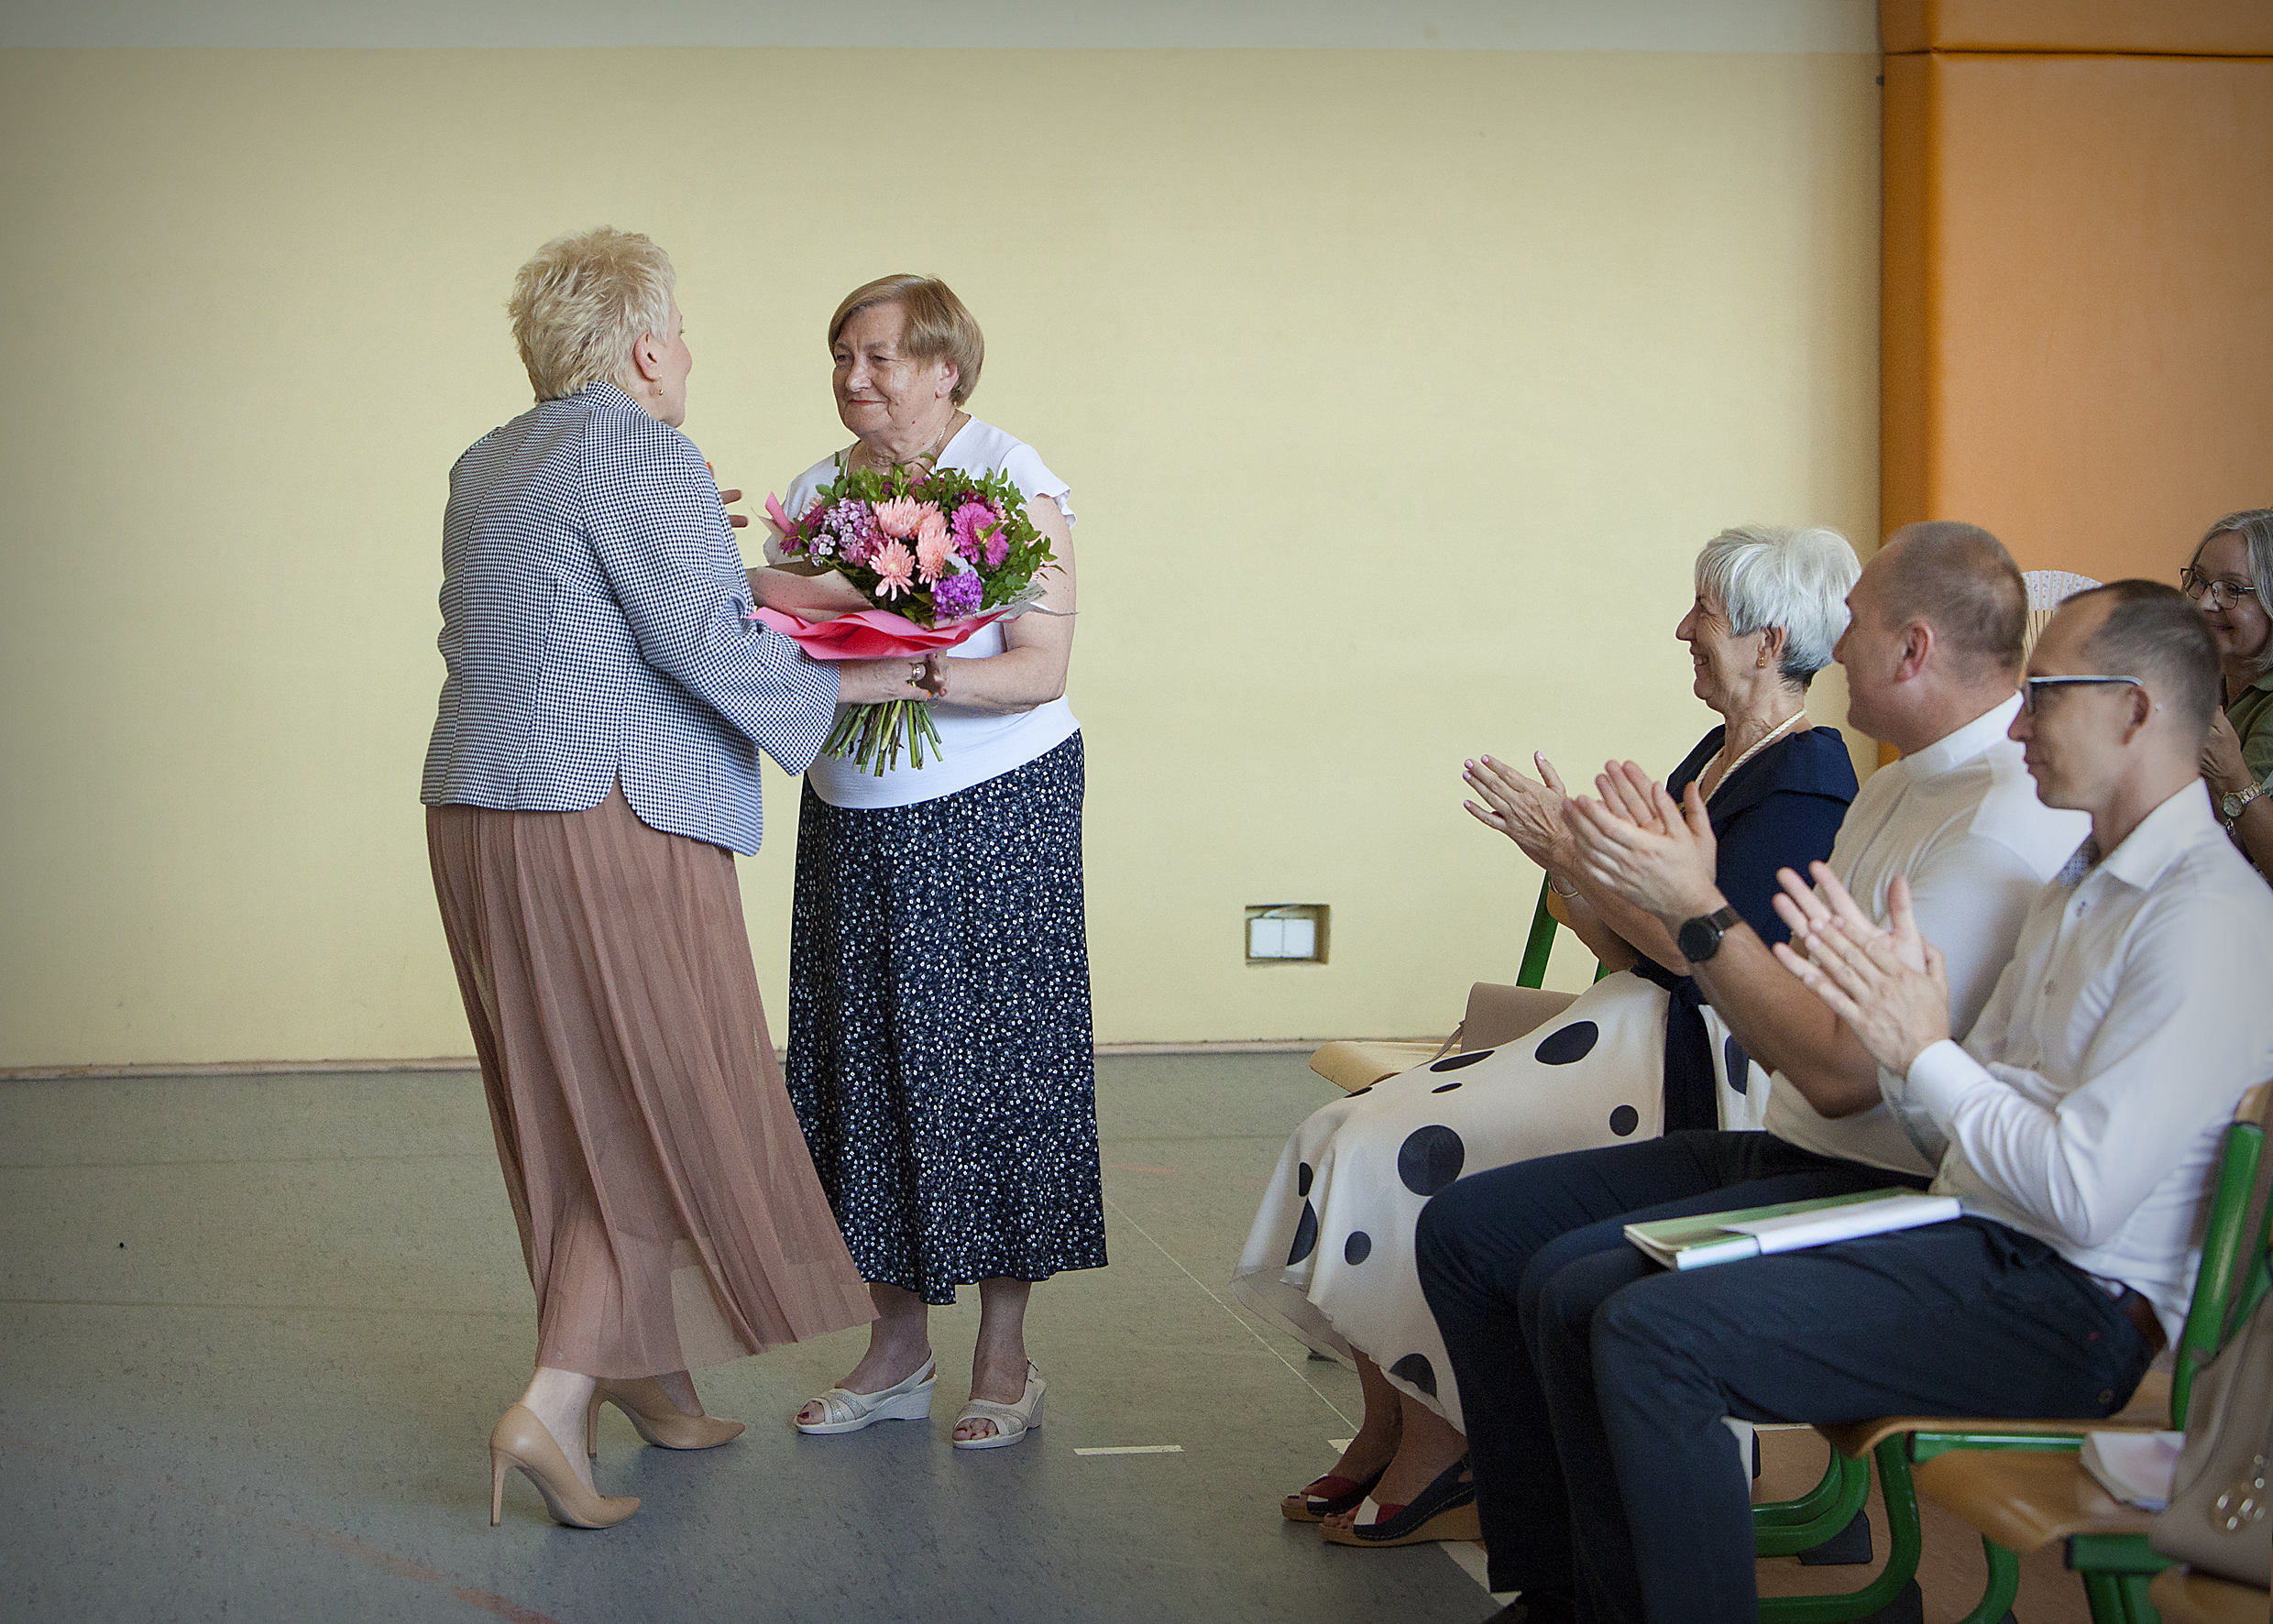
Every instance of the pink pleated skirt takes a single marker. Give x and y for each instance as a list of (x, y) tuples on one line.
[(669, 1211)]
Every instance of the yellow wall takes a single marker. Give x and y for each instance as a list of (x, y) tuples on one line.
[(1397, 391)]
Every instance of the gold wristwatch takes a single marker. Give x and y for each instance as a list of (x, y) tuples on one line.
[(2232, 807)]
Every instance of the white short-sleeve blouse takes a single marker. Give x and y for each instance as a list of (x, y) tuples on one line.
[(975, 745)]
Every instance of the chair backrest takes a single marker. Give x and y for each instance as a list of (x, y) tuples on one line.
[(1499, 1014), (2235, 1266), (2048, 589)]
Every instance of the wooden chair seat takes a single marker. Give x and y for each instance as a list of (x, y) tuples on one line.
[(1352, 1064), (2148, 1412), (1496, 1015), (2184, 1597), (2024, 1500)]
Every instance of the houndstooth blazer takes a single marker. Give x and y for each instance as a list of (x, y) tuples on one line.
[(594, 625)]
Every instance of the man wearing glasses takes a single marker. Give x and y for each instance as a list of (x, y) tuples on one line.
[(2082, 1116)]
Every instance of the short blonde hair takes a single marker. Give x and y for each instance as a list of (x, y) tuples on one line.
[(940, 327), (582, 301)]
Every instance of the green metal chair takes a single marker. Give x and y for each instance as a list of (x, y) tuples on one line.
[(2116, 1567), (2107, 1545), (1539, 946)]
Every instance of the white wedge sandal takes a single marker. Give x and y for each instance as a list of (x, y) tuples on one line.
[(843, 1410), (1012, 1421)]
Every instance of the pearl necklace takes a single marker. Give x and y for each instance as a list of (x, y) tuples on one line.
[(1768, 738)]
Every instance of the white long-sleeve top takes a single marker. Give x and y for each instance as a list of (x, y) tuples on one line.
[(1960, 821), (2086, 1104)]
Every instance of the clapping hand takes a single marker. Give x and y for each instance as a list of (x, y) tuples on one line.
[(1529, 813), (1889, 985), (2222, 761), (1637, 842)]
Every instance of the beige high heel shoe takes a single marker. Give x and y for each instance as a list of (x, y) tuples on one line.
[(520, 1440), (662, 1423)]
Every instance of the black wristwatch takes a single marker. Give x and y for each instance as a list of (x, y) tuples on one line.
[(1699, 939)]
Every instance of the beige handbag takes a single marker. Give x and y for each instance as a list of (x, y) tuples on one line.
[(2218, 1521)]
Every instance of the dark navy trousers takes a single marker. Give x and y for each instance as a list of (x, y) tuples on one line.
[(1594, 1382)]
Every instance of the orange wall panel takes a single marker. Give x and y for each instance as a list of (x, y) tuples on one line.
[(2192, 27), (2079, 313), (1905, 448)]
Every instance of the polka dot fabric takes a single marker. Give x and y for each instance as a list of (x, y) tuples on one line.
[(1330, 1257), (940, 1051)]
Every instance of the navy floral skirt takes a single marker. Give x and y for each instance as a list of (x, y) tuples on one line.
[(941, 1058)]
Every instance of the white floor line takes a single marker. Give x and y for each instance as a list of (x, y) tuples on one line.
[(1219, 1302), (1136, 1449)]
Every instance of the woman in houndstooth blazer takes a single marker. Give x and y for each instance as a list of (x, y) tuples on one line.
[(593, 769)]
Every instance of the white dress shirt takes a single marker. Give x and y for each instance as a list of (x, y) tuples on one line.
[(1961, 820), (2086, 1104)]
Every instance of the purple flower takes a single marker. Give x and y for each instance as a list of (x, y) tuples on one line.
[(954, 596), (997, 549), (853, 528)]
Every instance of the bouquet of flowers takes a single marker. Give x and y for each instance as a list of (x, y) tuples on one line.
[(938, 552)]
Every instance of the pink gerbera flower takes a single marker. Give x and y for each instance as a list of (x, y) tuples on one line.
[(934, 545), (895, 567), (899, 517)]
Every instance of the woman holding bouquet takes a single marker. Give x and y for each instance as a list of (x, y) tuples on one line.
[(940, 1049), (1331, 1254), (593, 769)]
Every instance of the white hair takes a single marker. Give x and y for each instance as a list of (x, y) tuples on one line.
[(580, 305), (1773, 574)]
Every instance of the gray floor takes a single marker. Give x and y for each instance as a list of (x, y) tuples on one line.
[(255, 1329)]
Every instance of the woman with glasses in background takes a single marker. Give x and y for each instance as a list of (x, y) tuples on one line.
[(2227, 579)]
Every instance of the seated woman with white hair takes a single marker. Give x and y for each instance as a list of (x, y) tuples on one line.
[(1331, 1257)]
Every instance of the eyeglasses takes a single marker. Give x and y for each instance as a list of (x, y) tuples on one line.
[(2219, 595), (2031, 689)]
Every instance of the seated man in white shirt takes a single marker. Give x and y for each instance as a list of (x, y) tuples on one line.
[(2081, 1116), (1931, 655)]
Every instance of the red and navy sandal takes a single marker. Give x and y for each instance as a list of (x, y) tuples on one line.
[(1444, 1510), (1326, 1497)]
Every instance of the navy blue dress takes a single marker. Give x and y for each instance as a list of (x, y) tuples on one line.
[(1781, 809)]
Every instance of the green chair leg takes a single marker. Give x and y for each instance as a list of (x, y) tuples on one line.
[(1816, 1516), (1996, 1597), (2101, 1592), (1902, 1556), (1808, 1507), (2137, 1608)]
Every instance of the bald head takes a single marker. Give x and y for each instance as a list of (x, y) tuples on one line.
[(1959, 580)]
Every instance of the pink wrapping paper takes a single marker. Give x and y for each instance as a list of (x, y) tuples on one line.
[(871, 635)]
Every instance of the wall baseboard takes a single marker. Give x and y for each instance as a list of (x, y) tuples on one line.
[(1269, 1046)]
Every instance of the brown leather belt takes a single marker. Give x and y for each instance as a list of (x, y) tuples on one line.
[(2142, 1313)]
